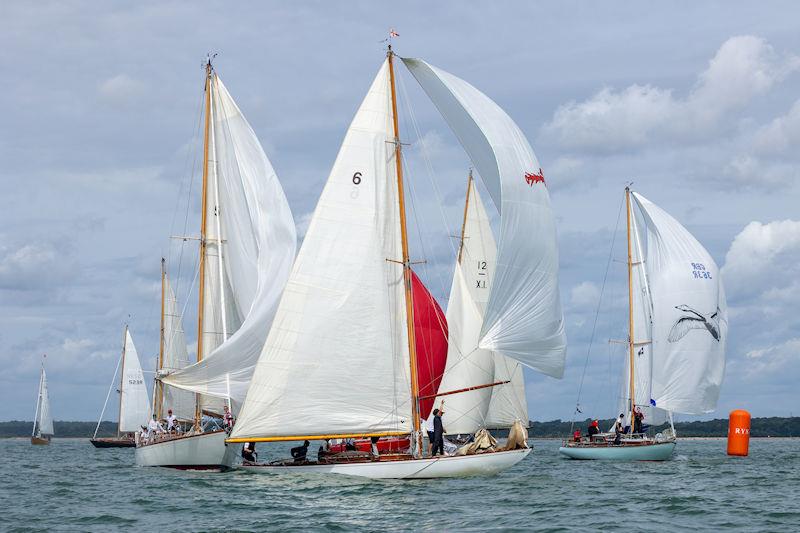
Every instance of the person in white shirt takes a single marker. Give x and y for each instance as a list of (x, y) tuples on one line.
[(154, 427), (171, 420), (429, 428)]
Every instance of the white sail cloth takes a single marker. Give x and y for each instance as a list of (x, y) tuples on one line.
[(467, 364), (336, 359), (689, 315), (134, 404), (252, 220), (176, 357), (523, 318), (45, 416)]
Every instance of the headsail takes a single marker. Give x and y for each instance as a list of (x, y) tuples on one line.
[(176, 357), (523, 318), (251, 226), (336, 359), (430, 335), (689, 315), (134, 404)]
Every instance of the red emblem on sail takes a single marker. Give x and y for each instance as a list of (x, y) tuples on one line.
[(530, 179)]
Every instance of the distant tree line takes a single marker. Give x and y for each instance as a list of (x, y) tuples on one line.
[(759, 427)]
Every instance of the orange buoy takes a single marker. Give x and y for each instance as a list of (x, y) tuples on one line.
[(738, 432)]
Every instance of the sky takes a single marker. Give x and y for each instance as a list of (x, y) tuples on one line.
[(696, 103)]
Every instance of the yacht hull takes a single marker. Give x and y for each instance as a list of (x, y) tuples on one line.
[(659, 451), (485, 464), (205, 451)]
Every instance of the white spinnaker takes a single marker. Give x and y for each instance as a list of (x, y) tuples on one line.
[(467, 365), (336, 359), (258, 247), (134, 404), (176, 357), (45, 415), (523, 318), (690, 317)]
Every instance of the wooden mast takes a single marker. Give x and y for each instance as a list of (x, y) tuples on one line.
[(122, 377), (412, 348), (201, 292), (631, 340), (464, 222), (159, 396)]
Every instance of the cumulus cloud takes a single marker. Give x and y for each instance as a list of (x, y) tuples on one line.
[(742, 68), (585, 295), (779, 135)]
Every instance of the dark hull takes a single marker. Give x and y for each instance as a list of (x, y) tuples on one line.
[(113, 443)]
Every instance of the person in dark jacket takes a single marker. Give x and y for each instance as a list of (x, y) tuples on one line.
[(593, 429), (438, 433), (249, 454), (299, 452)]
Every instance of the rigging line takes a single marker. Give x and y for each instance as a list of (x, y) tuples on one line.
[(596, 316)]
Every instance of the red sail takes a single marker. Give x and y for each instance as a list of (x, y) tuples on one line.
[(430, 333)]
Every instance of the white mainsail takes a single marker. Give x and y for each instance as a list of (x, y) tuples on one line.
[(176, 357), (689, 316), (336, 359), (43, 425), (250, 246), (523, 317), (134, 404)]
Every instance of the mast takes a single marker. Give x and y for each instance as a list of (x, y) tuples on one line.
[(158, 398), (631, 340), (122, 377), (201, 292), (412, 349), (464, 222)]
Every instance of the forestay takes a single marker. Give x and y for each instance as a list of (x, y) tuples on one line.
[(689, 315), (336, 359), (176, 357), (523, 317), (134, 404), (251, 226)]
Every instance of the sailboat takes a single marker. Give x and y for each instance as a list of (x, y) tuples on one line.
[(677, 333), (247, 245), (134, 405), (43, 419), (341, 358), (495, 398)]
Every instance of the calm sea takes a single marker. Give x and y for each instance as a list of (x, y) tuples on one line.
[(71, 486)]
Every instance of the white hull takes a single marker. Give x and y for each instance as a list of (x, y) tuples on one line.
[(650, 452), (485, 464), (206, 451)]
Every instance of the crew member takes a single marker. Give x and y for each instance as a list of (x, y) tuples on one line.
[(438, 433), (299, 452)]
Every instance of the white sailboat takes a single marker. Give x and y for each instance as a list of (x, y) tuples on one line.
[(134, 404), (43, 418), (341, 360), (678, 330), (247, 245)]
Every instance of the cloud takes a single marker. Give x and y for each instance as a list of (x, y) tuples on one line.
[(742, 68), (781, 135), (585, 295), (121, 90)]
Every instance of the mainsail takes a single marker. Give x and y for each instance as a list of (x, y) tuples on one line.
[(523, 317), (134, 404), (681, 316), (43, 424), (250, 244), (336, 359)]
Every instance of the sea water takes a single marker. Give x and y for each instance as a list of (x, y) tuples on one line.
[(71, 486)]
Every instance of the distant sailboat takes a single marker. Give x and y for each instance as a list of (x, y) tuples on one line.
[(247, 245), (676, 353), (134, 404), (43, 419), (341, 359)]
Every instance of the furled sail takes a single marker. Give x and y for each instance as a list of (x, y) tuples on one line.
[(523, 317), (250, 246), (336, 359), (134, 404), (430, 335), (689, 315), (176, 357), (45, 416)]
